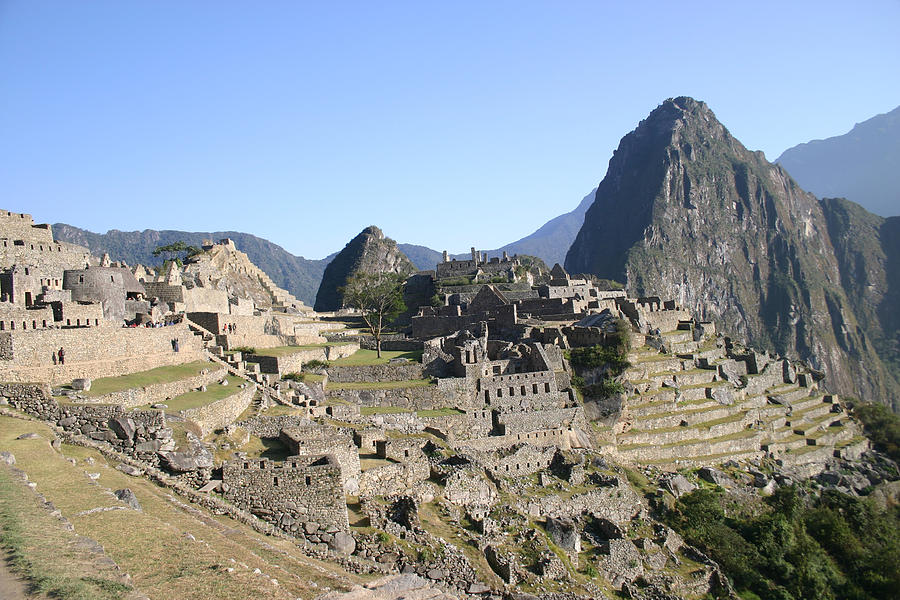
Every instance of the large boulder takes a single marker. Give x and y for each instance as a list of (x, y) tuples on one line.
[(565, 533)]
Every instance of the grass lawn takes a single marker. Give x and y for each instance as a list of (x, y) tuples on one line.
[(107, 385), (382, 410), (213, 392), (439, 412), (365, 357), (379, 385)]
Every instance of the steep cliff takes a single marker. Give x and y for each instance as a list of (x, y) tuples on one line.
[(368, 251), (687, 212)]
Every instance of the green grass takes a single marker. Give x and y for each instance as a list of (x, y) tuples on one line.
[(108, 385), (382, 410), (41, 551), (365, 357), (150, 545), (439, 412), (213, 392), (380, 385)]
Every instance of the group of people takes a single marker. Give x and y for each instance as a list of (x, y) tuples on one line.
[(229, 328), (59, 356)]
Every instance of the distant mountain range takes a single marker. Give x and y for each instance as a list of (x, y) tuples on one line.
[(302, 276), (687, 212), (296, 274), (862, 165)]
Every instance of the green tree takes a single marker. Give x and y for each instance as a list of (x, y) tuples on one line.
[(177, 251), (379, 297)]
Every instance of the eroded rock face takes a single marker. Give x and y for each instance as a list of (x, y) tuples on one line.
[(686, 212)]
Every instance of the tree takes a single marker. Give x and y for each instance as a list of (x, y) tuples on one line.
[(177, 251), (378, 296)]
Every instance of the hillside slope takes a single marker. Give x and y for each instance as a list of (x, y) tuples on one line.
[(862, 165), (296, 274)]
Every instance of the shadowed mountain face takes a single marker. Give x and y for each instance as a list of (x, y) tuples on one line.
[(369, 251), (686, 212), (296, 274), (862, 165)]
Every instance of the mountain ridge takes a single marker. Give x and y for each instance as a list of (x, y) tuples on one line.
[(687, 212), (862, 165)]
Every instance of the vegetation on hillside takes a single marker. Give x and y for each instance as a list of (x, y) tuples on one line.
[(830, 547), (881, 426)]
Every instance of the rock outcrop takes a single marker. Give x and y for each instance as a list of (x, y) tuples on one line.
[(370, 251), (687, 212)]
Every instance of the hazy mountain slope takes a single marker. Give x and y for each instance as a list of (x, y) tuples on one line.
[(296, 274), (686, 212), (862, 165), (368, 251), (549, 242)]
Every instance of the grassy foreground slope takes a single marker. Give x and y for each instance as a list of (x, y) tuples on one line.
[(169, 549)]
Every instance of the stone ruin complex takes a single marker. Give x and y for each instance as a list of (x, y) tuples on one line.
[(494, 432)]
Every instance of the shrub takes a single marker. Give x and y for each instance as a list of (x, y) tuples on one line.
[(292, 376), (315, 364), (244, 349)]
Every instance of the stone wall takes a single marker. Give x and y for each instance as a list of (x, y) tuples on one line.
[(425, 397), (94, 352), (524, 461), (316, 440), (157, 392), (521, 391), (391, 343), (548, 437), (199, 299), (302, 495), (218, 414), (137, 433), (270, 427), (394, 478), (524, 422), (293, 363), (360, 374)]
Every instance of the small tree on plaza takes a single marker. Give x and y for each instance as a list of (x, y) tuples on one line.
[(379, 297)]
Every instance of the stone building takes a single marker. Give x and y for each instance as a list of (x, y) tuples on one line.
[(302, 495)]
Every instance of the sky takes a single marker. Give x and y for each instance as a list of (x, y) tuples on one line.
[(447, 124)]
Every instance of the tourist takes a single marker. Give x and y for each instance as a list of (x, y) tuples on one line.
[(61, 354)]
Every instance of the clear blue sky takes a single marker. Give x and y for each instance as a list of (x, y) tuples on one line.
[(447, 124)]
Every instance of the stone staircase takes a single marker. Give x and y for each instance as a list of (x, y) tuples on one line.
[(696, 405), (236, 366)]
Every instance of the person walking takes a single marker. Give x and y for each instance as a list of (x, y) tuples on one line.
[(61, 355)]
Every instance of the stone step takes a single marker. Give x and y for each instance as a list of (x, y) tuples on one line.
[(683, 434), (830, 436), (747, 441), (792, 442), (810, 415), (790, 396), (806, 455), (709, 459), (809, 402)]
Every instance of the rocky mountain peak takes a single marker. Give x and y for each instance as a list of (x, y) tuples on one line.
[(687, 212), (369, 251)]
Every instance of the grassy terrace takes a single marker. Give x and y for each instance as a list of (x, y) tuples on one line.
[(393, 410), (213, 392), (363, 357), (108, 385), (380, 385), (288, 350)]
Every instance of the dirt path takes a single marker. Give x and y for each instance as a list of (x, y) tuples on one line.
[(11, 587)]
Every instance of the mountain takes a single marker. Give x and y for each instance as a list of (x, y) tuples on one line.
[(862, 165), (549, 242), (296, 274), (552, 240), (687, 212), (368, 251)]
